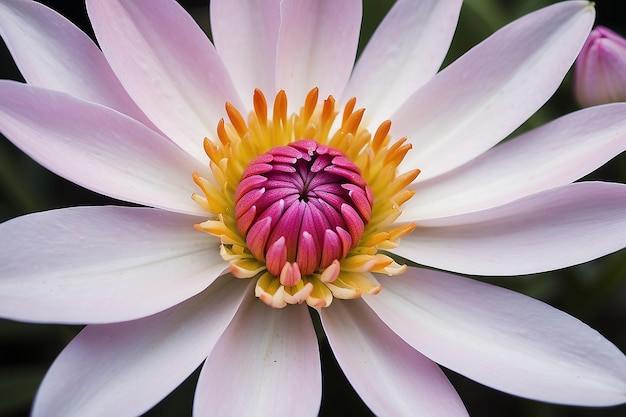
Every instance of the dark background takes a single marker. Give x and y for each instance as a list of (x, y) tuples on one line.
[(594, 292)]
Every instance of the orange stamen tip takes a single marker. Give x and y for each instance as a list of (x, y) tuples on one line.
[(260, 106), (280, 107), (310, 103), (328, 112), (222, 134), (353, 121), (348, 109), (381, 136), (236, 119)]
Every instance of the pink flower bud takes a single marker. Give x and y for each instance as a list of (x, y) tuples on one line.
[(600, 71)]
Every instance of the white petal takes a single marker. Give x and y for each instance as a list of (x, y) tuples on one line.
[(553, 155), (126, 368), (483, 96), (266, 364), (93, 264), (404, 53), (316, 47), (245, 34), (99, 148), (502, 339), (167, 65), (553, 229), (51, 52), (390, 376)]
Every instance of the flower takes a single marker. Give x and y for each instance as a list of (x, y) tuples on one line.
[(160, 298), (600, 70)]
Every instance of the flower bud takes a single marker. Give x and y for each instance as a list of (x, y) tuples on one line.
[(600, 71)]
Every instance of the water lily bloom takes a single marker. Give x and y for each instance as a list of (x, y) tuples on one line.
[(272, 173), (600, 70)]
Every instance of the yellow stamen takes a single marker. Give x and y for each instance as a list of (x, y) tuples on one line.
[(240, 140)]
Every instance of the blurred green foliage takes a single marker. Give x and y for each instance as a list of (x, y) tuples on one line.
[(594, 292)]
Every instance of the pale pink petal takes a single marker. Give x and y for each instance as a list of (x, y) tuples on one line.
[(266, 364), (167, 65), (405, 52), (124, 369), (550, 156), (316, 46), (98, 148), (502, 339), (102, 264), (483, 96), (390, 376), (249, 51), (51, 52), (553, 229)]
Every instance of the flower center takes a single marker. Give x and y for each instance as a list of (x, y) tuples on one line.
[(303, 204)]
